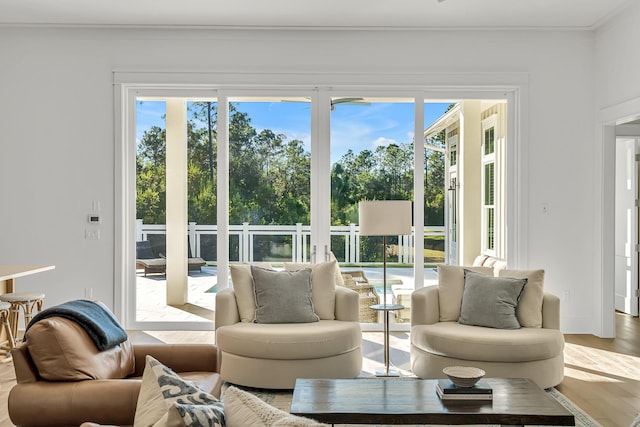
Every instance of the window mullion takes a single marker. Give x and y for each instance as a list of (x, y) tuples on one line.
[(418, 192), (223, 191), (320, 176)]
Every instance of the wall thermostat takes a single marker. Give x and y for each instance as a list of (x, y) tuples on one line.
[(93, 219)]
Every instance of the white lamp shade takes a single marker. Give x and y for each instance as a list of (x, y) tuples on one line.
[(384, 217)]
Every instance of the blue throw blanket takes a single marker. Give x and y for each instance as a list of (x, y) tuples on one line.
[(100, 323)]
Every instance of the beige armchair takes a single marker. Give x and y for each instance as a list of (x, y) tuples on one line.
[(273, 355), (439, 340)]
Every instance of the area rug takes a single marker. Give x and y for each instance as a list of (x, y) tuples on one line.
[(281, 399), (582, 419)]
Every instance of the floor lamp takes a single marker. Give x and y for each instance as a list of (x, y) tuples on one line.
[(385, 218)]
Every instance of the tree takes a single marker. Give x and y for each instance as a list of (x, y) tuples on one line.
[(151, 180), (395, 167)]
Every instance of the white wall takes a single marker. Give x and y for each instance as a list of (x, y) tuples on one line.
[(616, 59), (57, 142)]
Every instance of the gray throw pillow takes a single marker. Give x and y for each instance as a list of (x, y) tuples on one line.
[(490, 301), (283, 296)]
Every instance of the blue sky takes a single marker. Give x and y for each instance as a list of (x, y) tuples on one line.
[(353, 126)]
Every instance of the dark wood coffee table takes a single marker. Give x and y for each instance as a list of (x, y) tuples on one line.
[(414, 401)]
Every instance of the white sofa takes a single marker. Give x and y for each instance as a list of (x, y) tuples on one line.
[(527, 352), (274, 355)]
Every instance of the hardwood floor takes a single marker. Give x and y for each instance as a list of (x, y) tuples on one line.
[(602, 376)]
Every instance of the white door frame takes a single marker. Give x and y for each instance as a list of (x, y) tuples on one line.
[(604, 245), (440, 87), (626, 225)]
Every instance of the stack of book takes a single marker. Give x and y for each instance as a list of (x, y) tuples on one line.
[(449, 391)]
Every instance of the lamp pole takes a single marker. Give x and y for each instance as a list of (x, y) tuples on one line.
[(385, 218), (386, 308), (386, 312)]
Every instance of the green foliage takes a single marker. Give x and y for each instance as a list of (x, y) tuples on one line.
[(151, 177), (386, 173)]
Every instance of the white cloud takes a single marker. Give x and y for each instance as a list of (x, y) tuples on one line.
[(410, 136), (383, 142)]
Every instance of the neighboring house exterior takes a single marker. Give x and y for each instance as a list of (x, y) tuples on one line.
[(475, 175)]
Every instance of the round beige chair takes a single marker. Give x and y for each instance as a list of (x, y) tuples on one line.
[(439, 339)]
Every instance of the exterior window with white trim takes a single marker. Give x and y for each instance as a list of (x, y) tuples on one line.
[(489, 185)]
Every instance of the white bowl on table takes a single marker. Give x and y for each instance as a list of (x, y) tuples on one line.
[(464, 376)]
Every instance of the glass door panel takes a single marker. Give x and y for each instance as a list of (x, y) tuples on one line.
[(269, 180), (371, 159), (153, 254), (150, 210)]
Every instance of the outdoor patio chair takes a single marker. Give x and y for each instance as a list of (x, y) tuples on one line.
[(357, 281), (146, 259)]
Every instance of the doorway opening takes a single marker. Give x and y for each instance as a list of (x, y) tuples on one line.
[(626, 235)]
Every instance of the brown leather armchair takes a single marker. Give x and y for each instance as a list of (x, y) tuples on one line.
[(34, 401)]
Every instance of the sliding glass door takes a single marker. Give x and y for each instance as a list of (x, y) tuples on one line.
[(275, 176)]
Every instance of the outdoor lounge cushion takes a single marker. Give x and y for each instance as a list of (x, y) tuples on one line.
[(159, 265), (144, 251)]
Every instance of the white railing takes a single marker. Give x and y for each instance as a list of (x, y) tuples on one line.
[(300, 240)]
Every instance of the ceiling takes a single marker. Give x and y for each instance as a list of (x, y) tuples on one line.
[(564, 14)]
